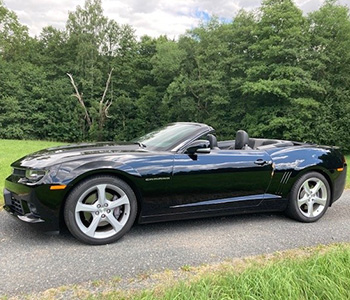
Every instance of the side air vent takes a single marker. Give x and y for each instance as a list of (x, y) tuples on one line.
[(284, 180)]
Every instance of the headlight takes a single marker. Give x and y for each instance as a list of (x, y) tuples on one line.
[(35, 175)]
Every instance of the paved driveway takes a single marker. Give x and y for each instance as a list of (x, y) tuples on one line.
[(32, 261)]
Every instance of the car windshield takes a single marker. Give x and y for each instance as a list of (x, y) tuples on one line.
[(166, 138)]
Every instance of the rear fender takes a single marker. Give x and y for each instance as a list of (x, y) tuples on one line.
[(292, 163)]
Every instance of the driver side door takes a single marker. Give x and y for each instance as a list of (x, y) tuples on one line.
[(219, 180)]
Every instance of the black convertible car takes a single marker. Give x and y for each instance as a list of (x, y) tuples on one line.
[(179, 171)]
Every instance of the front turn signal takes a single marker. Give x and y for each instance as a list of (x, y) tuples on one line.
[(57, 187)]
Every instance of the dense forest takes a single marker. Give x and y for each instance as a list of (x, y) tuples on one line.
[(274, 72)]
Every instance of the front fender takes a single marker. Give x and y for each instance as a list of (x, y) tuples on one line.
[(68, 174)]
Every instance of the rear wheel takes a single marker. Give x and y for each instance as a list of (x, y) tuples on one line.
[(309, 198), (100, 210)]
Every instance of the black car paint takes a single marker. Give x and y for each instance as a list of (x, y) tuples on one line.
[(173, 184)]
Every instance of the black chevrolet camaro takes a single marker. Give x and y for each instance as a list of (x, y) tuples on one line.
[(179, 171)]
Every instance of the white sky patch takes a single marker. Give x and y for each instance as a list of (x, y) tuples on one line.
[(161, 22), (309, 5), (151, 17)]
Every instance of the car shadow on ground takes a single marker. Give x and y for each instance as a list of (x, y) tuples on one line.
[(27, 233), (201, 223)]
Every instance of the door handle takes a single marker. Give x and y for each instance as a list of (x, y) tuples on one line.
[(261, 162)]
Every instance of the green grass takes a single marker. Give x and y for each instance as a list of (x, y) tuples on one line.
[(318, 273), (11, 150)]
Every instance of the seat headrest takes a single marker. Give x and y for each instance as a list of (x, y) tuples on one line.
[(242, 139), (213, 141)]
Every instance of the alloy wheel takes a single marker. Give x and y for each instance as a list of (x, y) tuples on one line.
[(312, 197), (102, 211)]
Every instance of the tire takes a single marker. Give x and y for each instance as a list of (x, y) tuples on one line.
[(100, 210), (309, 198)]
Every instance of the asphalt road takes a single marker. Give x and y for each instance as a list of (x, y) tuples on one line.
[(31, 261)]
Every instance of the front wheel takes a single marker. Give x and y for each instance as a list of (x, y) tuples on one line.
[(309, 198), (100, 210)]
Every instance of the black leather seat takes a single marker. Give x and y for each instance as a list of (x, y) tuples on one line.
[(213, 141), (242, 140)]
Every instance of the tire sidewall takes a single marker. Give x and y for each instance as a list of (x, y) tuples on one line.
[(293, 209), (70, 205)]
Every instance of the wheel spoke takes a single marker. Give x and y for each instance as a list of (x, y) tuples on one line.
[(319, 186), (321, 201), (85, 207), (101, 191), (118, 202), (306, 187), (310, 209), (303, 200), (114, 222), (90, 231)]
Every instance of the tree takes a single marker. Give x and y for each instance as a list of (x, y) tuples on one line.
[(200, 86), (103, 107), (274, 72), (330, 44), (279, 80), (13, 35), (10, 118)]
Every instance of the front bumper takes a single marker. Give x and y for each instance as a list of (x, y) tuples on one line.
[(339, 184), (35, 205), (20, 208)]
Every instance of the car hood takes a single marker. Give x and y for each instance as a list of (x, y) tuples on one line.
[(61, 154)]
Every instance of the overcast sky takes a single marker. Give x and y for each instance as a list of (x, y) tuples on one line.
[(151, 17)]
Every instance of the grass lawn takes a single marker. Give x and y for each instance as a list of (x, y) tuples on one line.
[(11, 150), (320, 272)]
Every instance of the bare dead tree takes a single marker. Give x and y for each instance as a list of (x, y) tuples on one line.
[(80, 99), (105, 104)]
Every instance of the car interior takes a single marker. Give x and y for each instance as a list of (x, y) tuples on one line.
[(244, 142)]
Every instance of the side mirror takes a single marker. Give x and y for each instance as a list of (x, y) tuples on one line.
[(203, 150), (198, 146)]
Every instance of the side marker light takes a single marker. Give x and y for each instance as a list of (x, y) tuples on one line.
[(57, 187)]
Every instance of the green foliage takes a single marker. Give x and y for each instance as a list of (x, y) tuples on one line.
[(10, 118), (166, 62), (13, 35), (275, 73)]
